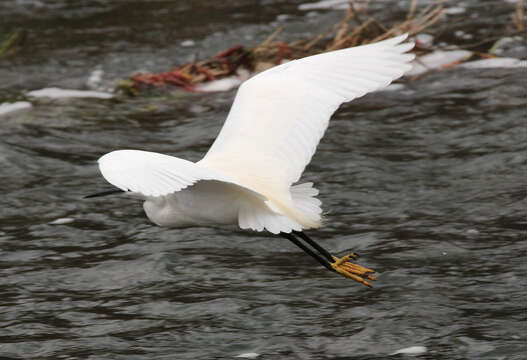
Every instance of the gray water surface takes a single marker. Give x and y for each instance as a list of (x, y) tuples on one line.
[(427, 183)]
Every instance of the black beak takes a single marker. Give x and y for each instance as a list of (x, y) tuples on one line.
[(104, 193)]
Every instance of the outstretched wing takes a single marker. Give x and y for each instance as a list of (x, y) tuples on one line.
[(153, 174), (279, 116)]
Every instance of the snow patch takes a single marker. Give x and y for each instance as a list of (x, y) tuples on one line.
[(463, 35), (57, 93), (283, 17), (224, 84), (249, 355), (436, 60), (325, 4), (412, 350), (61, 221), (188, 43), (424, 40), (6, 108), (95, 79), (454, 10), (495, 63)]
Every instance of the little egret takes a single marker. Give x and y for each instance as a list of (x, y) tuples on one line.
[(247, 176)]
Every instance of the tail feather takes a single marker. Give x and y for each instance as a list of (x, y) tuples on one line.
[(307, 206), (258, 216)]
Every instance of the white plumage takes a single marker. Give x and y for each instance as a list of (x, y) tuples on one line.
[(273, 128)]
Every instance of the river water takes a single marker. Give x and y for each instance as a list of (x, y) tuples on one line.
[(426, 182)]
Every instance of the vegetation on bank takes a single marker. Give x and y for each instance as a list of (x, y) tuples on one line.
[(356, 28)]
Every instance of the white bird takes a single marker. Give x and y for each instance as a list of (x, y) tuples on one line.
[(248, 177)]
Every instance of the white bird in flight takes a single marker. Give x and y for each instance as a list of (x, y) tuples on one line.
[(248, 177)]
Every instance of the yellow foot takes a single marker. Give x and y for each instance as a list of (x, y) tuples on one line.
[(353, 271)]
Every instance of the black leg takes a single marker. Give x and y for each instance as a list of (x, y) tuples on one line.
[(298, 243), (315, 245)]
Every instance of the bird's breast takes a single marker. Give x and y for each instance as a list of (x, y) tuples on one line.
[(207, 203)]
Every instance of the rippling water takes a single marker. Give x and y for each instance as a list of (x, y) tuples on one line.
[(427, 183)]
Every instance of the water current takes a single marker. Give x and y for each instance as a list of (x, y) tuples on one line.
[(426, 182)]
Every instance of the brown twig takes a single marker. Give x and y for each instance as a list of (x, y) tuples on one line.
[(411, 11), (271, 37)]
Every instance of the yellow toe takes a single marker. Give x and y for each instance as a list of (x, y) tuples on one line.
[(352, 271)]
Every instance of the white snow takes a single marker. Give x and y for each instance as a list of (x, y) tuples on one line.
[(436, 60), (224, 84), (57, 93), (249, 355), (463, 35), (282, 17), (61, 221), (6, 108), (454, 10), (95, 79), (424, 40), (188, 43), (412, 350), (326, 4), (495, 63)]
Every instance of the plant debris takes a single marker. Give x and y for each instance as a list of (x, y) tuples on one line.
[(356, 28), (188, 75)]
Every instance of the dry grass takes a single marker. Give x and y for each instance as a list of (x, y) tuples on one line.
[(356, 28), (366, 30)]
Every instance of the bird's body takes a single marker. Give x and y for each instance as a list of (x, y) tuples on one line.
[(215, 203), (208, 203), (248, 177)]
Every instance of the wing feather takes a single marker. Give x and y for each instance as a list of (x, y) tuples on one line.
[(154, 174), (279, 116)]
